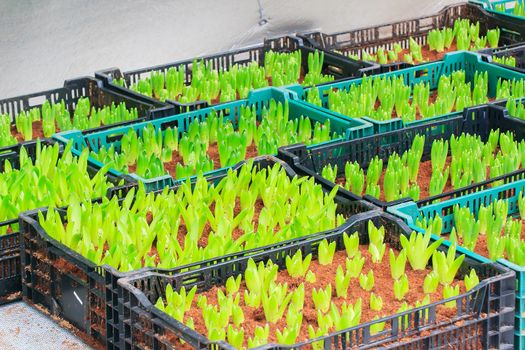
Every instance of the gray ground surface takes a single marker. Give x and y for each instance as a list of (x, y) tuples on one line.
[(42, 43), (25, 328)]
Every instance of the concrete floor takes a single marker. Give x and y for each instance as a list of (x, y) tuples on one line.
[(43, 43), (26, 328)]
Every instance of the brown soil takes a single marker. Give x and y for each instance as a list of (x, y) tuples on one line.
[(326, 275), (237, 232), (65, 266), (213, 153), (425, 174), (429, 55), (10, 297), (481, 242), (38, 132)]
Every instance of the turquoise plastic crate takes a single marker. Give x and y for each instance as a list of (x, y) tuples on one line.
[(410, 211), (231, 111), (490, 6), (430, 72)]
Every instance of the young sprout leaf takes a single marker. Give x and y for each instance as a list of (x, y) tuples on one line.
[(322, 298), (367, 281), (376, 303), (401, 287), (471, 280), (351, 244), (326, 252)]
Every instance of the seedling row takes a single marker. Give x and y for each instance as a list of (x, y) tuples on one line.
[(196, 83), (313, 276), (463, 36), (405, 43), (488, 224), (82, 104), (454, 164), (211, 139), (215, 86), (417, 95)]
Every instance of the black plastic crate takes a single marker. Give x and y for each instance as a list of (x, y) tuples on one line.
[(506, 14), (484, 317), (10, 273), (86, 295), (517, 51), (369, 39), (479, 120), (10, 276), (336, 65), (91, 88)]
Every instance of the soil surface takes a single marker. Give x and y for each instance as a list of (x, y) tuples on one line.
[(217, 100), (429, 55), (324, 275), (423, 179), (38, 132), (213, 153), (481, 242)]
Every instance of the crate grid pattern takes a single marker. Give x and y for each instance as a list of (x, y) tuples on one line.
[(87, 295), (147, 327), (409, 212)]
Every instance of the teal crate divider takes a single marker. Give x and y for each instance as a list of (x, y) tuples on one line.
[(410, 212), (519, 341), (519, 323), (490, 6), (520, 306), (430, 73), (231, 112)]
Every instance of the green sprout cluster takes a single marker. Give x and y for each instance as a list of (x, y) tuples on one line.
[(460, 161), (216, 86), (54, 179), (282, 303), (196, 222), (54, 117), (191, 149), (465, 35), (385, 98)]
